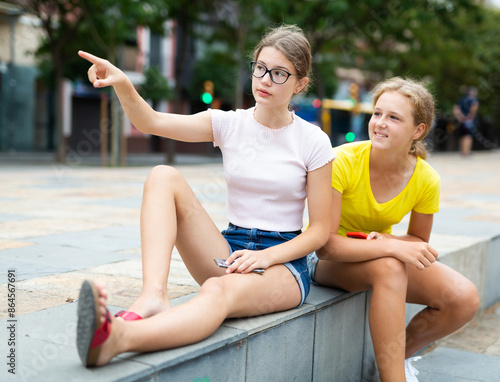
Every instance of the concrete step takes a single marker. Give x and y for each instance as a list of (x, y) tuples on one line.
[(452, 365), (326, 339), (285, 346)]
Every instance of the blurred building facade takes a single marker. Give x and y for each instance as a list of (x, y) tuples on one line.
[(86, 103), (27, 121), (19, 36)]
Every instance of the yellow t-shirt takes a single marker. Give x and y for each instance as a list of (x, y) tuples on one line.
[(360, 210)]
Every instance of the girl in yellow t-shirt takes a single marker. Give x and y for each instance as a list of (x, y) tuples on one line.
[(375, 184)]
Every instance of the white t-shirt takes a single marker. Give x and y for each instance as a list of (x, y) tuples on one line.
[(265, 169)]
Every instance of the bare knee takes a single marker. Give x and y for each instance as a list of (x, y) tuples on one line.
[(472, 301), (213, 288), (161, 175), (466, 302), (389, 272), (387, 268)]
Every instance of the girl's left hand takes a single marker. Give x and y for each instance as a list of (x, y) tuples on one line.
[(245, 261)]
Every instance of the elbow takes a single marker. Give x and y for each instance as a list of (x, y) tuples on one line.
[(324, 252), (149, 125), (424, 238), (324, 236), (323, 239)]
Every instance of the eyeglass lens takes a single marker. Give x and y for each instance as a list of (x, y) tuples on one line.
[(278, 76)]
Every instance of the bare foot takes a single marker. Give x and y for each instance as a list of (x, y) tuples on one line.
[(112, 346), (150, 303)]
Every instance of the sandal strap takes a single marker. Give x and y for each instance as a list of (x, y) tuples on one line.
[(101, 334), (128, 316)]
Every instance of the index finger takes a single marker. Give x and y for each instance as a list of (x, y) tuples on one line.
[(233, 257), (433, 251), (90, 57)]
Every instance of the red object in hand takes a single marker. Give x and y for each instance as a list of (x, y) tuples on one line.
[(357, 235)]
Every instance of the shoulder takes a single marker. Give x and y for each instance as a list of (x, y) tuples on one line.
[(308, 132), (426, 173), (353, 152), (228, 125), (307, 127), (231, 114), (227, 122), (310, 142), (349, 165)]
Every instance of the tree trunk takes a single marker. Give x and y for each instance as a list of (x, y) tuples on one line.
[(60, 156), (243, 30), (180, 59)]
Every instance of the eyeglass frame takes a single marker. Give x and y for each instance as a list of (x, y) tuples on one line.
[(270, 72)]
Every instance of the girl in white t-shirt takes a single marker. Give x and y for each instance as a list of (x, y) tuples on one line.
[(273, 161)]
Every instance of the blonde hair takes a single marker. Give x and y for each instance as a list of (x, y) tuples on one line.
[(293, 44), (423, 106)]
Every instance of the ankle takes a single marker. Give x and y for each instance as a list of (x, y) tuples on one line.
[(151, 302), (156, 292)]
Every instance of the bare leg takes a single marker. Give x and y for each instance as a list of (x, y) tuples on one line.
[(171, 214), (451, 300), (388, 279), (466, 144), (234, 295)]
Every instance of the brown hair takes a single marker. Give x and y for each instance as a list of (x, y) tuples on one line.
[(423, 106), (291, 41)]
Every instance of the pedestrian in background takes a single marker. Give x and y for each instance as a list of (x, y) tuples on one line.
[(273, 162), (465, 111), (375, 184)]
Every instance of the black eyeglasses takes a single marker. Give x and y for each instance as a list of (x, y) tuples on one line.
[(278, 76)]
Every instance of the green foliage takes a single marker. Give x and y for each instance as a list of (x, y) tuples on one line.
[(218, 67), (155, 86), (449, 44), (485, 60), (97, 26), (111, 23)]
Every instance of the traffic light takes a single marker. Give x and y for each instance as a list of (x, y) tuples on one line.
[(350, 136), (208, 92)]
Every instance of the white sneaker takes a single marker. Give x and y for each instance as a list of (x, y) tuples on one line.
[(312, 262), (410, 371)]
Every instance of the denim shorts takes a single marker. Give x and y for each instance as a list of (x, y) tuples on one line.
[(255, 239)]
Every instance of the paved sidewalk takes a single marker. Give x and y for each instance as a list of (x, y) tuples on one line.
[(60, 225)]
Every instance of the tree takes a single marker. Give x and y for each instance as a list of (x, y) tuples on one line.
[(60, 20), (373, 35), (111, 24), (101, 26), (186, 15), (155, 87), (237, 26), (482, 40)]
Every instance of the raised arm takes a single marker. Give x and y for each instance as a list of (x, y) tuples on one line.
[(187, 128)]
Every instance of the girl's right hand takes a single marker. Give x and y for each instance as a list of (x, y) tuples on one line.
[(374, 236), (419, 254), (102, 73)]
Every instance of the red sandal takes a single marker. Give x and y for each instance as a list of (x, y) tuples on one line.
[(128, 316), (90, 336)]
